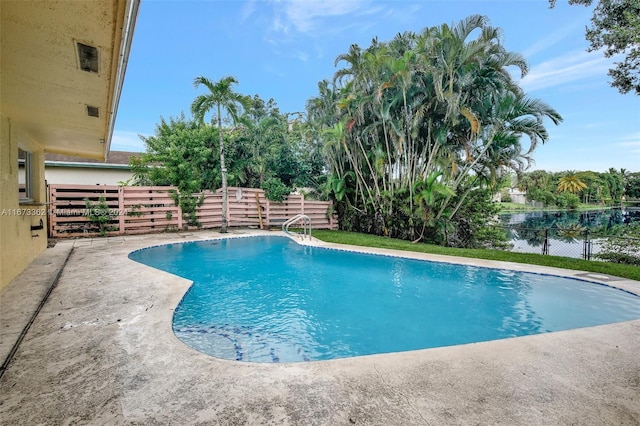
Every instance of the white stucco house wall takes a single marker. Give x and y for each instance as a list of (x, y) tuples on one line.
[(517, 196), (62, 70), (64, 169)]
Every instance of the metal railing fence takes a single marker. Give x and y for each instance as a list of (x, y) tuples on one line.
[(576, 242)]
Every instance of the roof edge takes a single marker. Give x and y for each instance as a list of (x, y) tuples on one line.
[(132, 8), (87, 165)]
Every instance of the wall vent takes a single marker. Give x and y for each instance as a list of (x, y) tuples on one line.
[(93, 111), (87, 57)]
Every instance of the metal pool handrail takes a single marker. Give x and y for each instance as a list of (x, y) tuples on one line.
[(306, 224)]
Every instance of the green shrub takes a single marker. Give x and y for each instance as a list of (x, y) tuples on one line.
[(573, 201), (100, 214), (561, 201), (275, 190), (189, 204), (505, 197)]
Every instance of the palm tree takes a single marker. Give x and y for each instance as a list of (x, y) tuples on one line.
[(571, 183), (221, 97), (428, 192), (438, 103)]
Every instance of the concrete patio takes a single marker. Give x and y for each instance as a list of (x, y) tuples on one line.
[(101, 351)]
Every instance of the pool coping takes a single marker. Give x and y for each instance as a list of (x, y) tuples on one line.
[(102, 351)]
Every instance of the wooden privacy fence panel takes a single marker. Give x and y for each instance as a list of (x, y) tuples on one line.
[(68, 212), (209, 214), (243, 206), (148, 209), (243, 209)]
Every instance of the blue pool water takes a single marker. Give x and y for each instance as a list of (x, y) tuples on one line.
[(268, 299)]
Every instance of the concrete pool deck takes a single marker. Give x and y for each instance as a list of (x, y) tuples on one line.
[(101, 351)]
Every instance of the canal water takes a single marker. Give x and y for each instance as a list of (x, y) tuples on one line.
[(566, 230)]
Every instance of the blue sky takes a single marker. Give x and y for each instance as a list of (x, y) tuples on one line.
[(281, 49)]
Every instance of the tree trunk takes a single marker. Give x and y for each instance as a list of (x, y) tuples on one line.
[(223, 171)]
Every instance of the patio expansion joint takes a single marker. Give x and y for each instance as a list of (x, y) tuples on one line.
[(25, 330)]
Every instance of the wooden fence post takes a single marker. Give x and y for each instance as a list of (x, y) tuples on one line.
[(179, 211), (227, 215), (268, 214), (259, 207), (121, 212), (331, 215)]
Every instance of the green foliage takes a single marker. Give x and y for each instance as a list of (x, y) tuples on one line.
[(560, 200), (471, 226), (632, 185), (100, 214), (505, 197), (181, 154), (279, 148), (220, 99), (573, 201), (284, 164), (546, 197), (186, 154), (189, 204), (411, 127), (622, 249), (567, 200), (606, 188), (135, 211), (616, 31), (275, 189), (337, 186)]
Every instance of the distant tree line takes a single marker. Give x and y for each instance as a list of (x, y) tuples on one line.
[(568, 189)]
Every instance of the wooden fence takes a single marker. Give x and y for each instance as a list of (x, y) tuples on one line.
[(149, 209)]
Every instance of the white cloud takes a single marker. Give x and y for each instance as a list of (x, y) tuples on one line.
[(270, 69), (555, 37), (278, 26), (303, 56), (318, 18), (248, 9), (127, 141), (309, 15), (598, 125), (631, 141), (565, 69), (301, 29)]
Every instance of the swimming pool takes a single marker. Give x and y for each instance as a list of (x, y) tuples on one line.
[(269, 299)]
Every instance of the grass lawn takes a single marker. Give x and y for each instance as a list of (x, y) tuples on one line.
[(354, 238)]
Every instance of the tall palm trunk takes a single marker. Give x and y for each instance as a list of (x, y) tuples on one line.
[(223, 171), (222, 97)]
